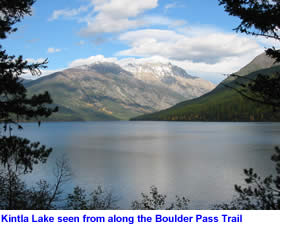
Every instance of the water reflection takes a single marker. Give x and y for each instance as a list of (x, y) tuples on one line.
[(199, 160)]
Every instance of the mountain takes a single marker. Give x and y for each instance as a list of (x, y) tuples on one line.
[(222, 103), (170, 76), (106, 91), (25, 81)]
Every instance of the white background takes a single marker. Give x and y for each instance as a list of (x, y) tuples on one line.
[(256, 225)]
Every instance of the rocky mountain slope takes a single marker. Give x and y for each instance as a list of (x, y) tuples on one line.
[(172, 77), (105, 91)]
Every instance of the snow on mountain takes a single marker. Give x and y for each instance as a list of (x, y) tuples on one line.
[(170, 76)]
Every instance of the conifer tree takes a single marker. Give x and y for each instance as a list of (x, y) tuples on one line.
[(258, 18), (15, 104)]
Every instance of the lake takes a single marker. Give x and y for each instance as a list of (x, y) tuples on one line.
[(199, 160)]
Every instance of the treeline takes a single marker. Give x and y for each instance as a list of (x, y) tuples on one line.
[(237, 109)]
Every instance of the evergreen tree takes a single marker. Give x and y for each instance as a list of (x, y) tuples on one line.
[(15, 105), (18, 155), (258, 18)]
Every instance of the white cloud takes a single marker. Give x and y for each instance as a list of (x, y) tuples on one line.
[(268, 42), (170, 5), (67, 13), (105, 24), (174, 5), (117, 15), (202, 51), (211, 48), (53, 50), (108, 16), (126, 8), (90, 60), (217, 72), (160, 20)]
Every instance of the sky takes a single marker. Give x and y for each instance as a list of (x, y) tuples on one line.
[(196, 35)]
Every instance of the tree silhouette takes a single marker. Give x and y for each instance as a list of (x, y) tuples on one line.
[(12, 11), (15, 104), (99, 199), (258, 18), (18, 155), (259, 193), (157, 201), (15, 194)]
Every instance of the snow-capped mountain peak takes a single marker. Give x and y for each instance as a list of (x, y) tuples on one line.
[(171, 76), (158, 69)]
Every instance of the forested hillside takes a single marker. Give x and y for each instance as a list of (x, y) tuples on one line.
[(223, 103)]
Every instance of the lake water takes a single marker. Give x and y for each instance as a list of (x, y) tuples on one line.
[(199, 160)]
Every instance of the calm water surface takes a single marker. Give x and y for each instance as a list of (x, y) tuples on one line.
[(201, 161)]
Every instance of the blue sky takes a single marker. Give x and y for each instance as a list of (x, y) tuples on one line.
[(196, 35)]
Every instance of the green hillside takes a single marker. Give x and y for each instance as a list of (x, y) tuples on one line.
[(221, 104)]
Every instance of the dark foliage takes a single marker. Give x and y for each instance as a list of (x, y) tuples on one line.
[(14, 102), (16, 195), (259, 193), (258, 18), (157, 201), (264, 89), (11, 12), (15, 105), (21, 153), (99, 199)]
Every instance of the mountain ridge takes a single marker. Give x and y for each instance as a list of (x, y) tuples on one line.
[(108, 91)]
